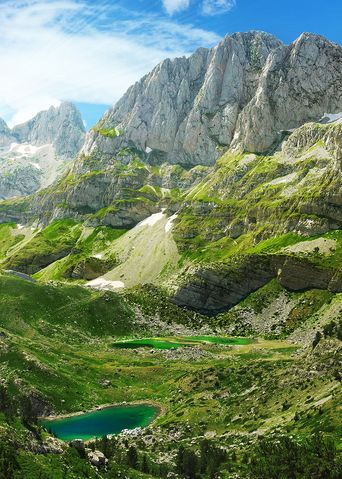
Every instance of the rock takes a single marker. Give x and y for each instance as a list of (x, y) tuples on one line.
[(97, 458), (212, 290), (290, 93), (77, 444), (185, 108), (218, 288), (52, 445), (106, 383), (6, 137), (298, 275), (241, 93)]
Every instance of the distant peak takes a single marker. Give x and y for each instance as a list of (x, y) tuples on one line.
[(3, 126), (308, 37)]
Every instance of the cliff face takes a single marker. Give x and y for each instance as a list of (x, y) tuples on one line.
[(299, 83), (242, 93), (186, 109), (5, 134)]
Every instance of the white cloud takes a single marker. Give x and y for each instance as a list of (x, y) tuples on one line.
[(217, 7), (86, 52), (173, 6)]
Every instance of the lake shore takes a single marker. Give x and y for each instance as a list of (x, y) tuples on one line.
[(161, 409)]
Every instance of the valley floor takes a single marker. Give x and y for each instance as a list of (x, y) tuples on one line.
[(222, 401)]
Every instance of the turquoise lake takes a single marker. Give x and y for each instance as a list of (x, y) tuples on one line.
[(98, 423)]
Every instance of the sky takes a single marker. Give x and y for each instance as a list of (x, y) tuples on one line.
[(90, 52)]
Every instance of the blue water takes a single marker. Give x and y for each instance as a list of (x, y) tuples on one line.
[(111, 420)]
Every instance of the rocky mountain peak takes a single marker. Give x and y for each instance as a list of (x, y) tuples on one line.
[(5, 134), (34, 153), (61, 126), (240, 94), (3, 126)]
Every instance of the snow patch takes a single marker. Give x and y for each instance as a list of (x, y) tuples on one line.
[(169, 223), (35, 165), (330, 117), (102, 283), (98, 255), (151, 220), (25, 149), (148, 149), (20, 227)]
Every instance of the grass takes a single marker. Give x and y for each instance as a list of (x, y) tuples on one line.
[(7, 239), (180, 342), (63, 351)]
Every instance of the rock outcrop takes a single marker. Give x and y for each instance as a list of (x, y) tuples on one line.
[(5, 134), (299, 83), (217, 288)]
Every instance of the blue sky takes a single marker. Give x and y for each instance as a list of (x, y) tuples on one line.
[(90, 52)]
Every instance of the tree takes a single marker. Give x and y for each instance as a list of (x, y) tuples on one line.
[(316, 339), (211, 458), (132, 457), (284, 457), (187, 463), (144, 465), (8, 461)]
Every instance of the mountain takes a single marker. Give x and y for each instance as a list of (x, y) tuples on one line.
[(34, 154), (60, 126), (220, 211), (242, 93), (190, 257), (5, 134)]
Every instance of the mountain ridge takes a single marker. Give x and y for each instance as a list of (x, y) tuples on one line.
[(230, 257)]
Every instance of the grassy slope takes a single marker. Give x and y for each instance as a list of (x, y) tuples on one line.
[(62, 350), (62, 347), (145, 253)]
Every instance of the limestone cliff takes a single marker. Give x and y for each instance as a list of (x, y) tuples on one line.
[(242, 93)]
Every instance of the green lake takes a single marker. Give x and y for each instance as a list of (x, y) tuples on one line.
[(179, 342), (98, 423)]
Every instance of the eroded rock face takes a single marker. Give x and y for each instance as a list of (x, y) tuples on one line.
[(5, 134), (296, 274), (187, 107), (242, 93), (97, 458), (299, 83), (214, 289)]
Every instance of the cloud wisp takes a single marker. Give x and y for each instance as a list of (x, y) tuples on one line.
[(173, 6), (207, 7), (217, 7), (82, 51)]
